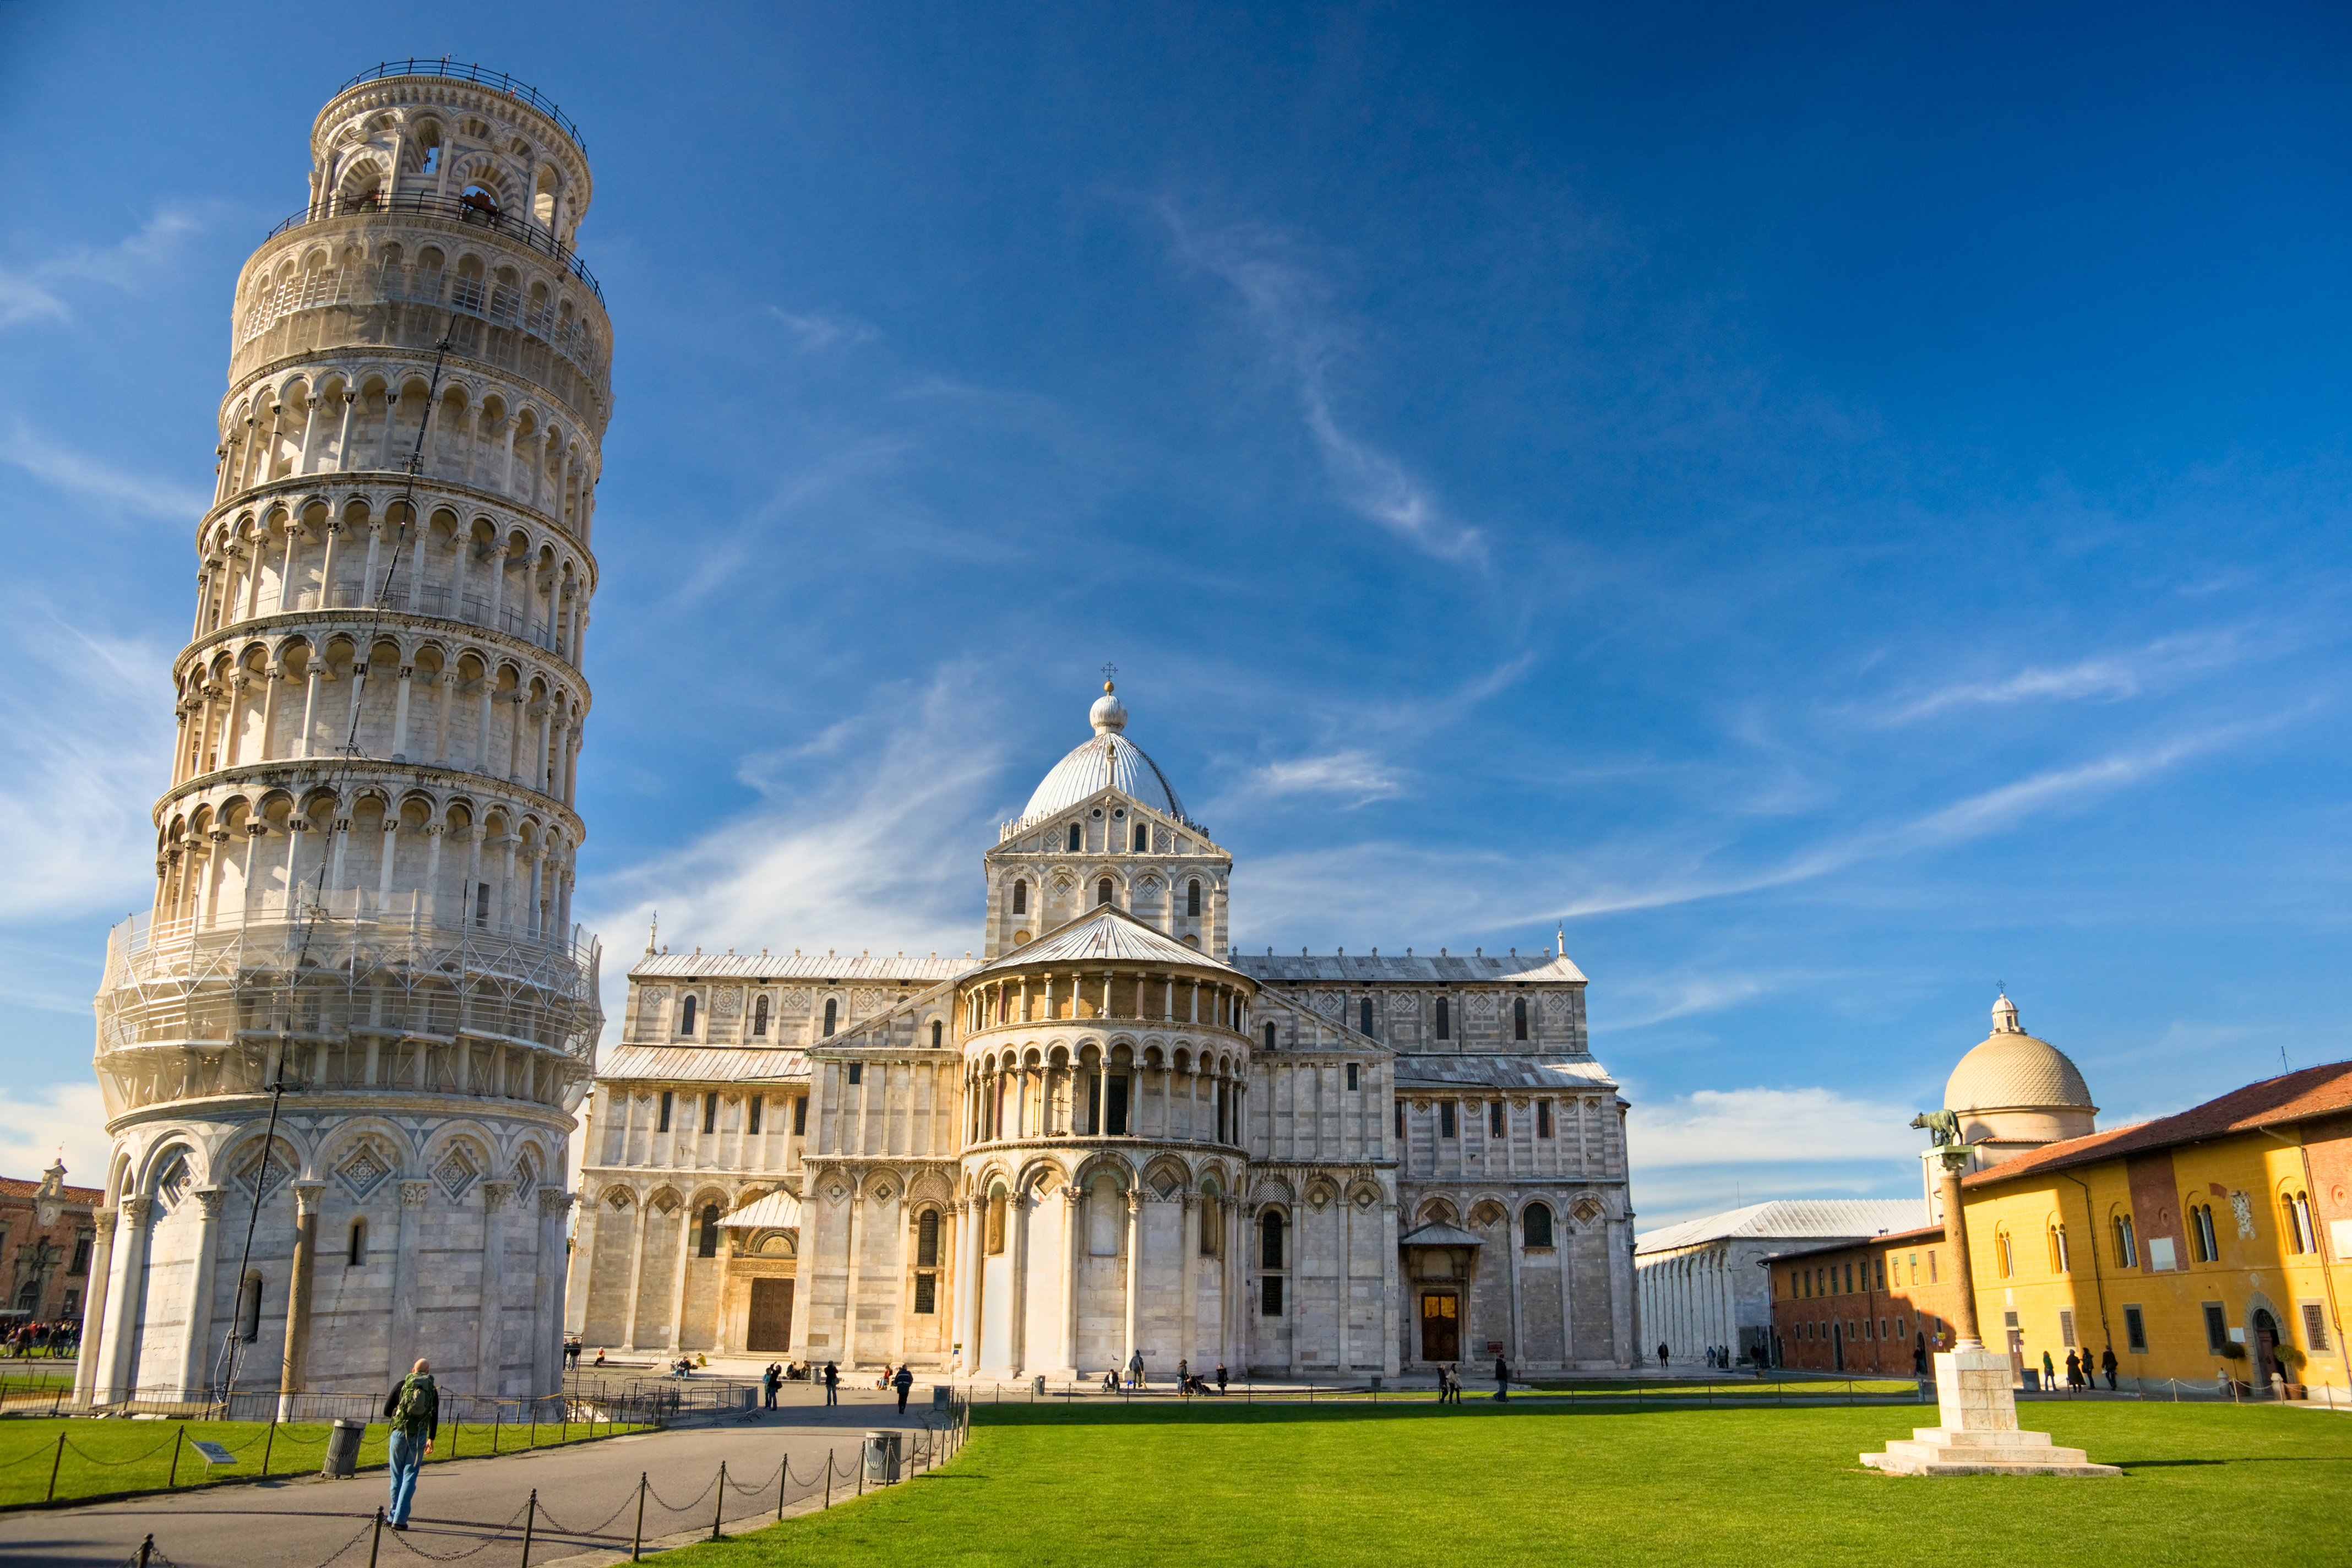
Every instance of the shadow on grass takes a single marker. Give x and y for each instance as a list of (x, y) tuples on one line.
[(1235, 1412)]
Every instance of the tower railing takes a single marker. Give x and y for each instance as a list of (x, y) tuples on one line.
[(498, 82)]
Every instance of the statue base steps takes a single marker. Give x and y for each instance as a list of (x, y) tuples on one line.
[(1979, 1435)]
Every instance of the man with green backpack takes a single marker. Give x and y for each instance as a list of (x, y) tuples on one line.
[(414, 1410)]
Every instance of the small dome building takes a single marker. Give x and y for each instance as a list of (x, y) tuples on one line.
[(2013, 1092)]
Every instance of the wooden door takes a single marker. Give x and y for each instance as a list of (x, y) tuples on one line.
[(1441, 1326), (771, 1316)]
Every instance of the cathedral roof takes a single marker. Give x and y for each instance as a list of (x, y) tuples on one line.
[(759, 968), (1109, 935), (777, 1211), (718, 1064), (2011, 1070), (1793, 1219), (1473, 1069), (1441, 969), (1109, 761)]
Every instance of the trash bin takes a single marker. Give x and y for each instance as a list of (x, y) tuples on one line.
[(1038, 1387), (342, 1458), (940, 1394), (882, 1456)]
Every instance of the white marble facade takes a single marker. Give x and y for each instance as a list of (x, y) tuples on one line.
[(1110, 1132), (364, 859)]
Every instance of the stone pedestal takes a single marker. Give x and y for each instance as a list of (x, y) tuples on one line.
[(1978, 1435)]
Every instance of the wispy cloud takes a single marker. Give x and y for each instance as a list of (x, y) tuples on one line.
[(875, 855), (1284, 299), (2107, 678), (92, 736), (1356, 777), (38, 1126), (1763, 1126), (824, 329), (37, 293), (98, 480)]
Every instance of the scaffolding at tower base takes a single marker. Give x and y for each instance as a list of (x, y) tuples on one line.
[(344, 995)]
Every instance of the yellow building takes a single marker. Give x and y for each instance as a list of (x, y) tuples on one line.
[(2216, 1243)]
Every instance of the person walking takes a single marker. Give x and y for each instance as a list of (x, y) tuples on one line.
[(2107, 1365), (1183, 1375), (903, 1382), (2073, 1372), (1661, 1355), (832, 1384), (1220, 1377), (1502, 1378), (1135, 1372), (414, 1412), (770, 1380)]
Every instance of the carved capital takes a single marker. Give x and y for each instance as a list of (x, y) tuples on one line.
[(414, 1194), (209, 1200), (140, 1209), (495, 1195), (554, 1201), (306, 1198)]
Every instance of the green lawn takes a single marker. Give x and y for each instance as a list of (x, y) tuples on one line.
[(1286, 1486), (104, 1456)]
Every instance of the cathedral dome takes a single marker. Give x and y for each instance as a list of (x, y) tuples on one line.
[(1109, 761), (2015, 1086)]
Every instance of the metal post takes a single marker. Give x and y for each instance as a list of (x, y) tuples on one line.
[(495, 1414), (638, 1542), (146, 1550), (719, 1513), (269, 1443), (828, 1477), (53, 1469), (174, 1480), (782, 1475), (529, 1518)]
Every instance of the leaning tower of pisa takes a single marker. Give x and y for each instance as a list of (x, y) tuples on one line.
[(362, 931)]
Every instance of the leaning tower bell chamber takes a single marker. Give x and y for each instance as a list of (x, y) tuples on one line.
[(364, 858)]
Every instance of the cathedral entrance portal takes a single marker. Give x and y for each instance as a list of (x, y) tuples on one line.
[(770, 1328), (1441, 1326)]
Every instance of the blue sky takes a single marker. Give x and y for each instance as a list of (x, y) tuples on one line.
[(1838, 507)]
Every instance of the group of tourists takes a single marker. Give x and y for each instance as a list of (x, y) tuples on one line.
[(1188, 1382), (2080, 1373), (1449, 1382), (43, 1340), (1719, 1356)]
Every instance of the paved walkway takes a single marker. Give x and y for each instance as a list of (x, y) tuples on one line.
[(589, 1492)]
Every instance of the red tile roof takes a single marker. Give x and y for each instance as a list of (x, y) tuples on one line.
[(1867, 1244), (2274, 1102), (17, 1187)]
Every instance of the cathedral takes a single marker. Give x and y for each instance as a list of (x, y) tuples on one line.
[(1109, 1134)]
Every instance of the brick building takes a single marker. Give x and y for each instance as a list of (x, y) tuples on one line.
[(1873, 1306), (46, 1233)]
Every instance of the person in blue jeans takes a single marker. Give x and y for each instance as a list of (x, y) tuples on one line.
[(414, 1412), (832, 1384)]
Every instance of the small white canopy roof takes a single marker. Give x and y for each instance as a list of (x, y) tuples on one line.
[(778, 1211)]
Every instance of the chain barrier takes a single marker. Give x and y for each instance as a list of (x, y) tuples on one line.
[(560, 1528), (696, 1501), (147, 1555), (337, 1553), (85, 1455), (401, 1537)]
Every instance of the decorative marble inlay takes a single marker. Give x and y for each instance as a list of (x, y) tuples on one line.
[(456, 1173)]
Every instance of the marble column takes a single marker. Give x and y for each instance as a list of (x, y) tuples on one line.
[(96, 1341), (294, 1365), (1134, 1271), (138, 1214), (489, 1344), (193, 1352), (401, 1343)]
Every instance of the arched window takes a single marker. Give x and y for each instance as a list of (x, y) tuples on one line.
[(1519, 1017), (927, 1240), (938, 1029), (1021, 897), (249, 1310), (760, 1018), (2201, 1228), (1076, 841), (2004, 1255), (1142, 839), (358, 1253), (1364, 1016), (1269, 1036), (832, 1014), (2300, 1236), (2057, 1249), (710, 1114), (2126, 1244), (1269, 1241), (707, 1243), (1212, 1224), (1192, 897), (1535, 1226), (1102, 891), (1445, 1019), (994, 1238), (685, 1017)]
